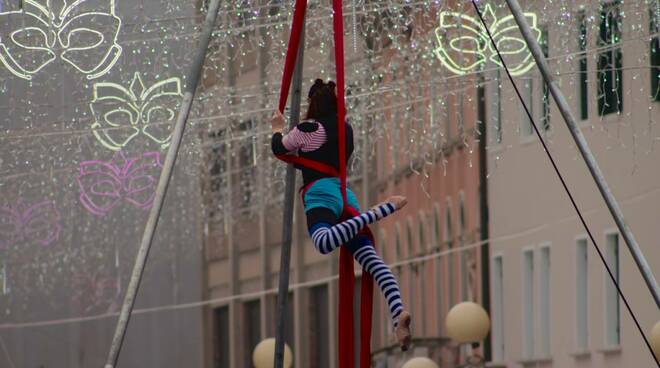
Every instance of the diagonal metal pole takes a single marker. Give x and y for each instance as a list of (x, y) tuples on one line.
[(161, 189), (287, 219), (588, 157)]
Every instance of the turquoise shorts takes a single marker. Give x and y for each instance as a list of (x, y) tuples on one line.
[(326, 193)]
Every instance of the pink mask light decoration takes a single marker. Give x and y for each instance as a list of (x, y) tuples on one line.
[(103, 185), (37, 223)]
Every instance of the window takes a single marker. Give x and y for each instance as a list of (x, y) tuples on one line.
[(318, 332), (289, 327), (528, 304), (544, 301), (421, 274), (581, 296), (436, 227), (412, 267), (397, 255), (394, 134), (450, 256), (245, 19), (610, 60), (383, 310), (252, 329), (527, 92), (465, 286), (583, 85), (497, 309), (221, 338), (612, 307), (438, 263), (247, 161), (420, 229), (544, 90), (374, 27), (410, 239), (654, 29), (449, 103), (217, 166), (496, 108), (4, 283)]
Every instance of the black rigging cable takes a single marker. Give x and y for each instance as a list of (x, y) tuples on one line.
[(563, 183)]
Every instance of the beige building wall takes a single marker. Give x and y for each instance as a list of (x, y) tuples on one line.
[(529, 209)]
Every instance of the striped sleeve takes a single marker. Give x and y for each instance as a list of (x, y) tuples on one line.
[(307, 137)]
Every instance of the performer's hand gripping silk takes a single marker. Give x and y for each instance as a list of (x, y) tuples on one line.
[(316, 138)]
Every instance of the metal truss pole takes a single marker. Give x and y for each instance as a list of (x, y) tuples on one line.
[(161, 189)]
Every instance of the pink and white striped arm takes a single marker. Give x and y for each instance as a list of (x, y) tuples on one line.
[(305, 141)]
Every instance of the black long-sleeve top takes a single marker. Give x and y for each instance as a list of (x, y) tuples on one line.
[(315, 140)]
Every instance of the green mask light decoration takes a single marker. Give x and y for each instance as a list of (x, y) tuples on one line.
[(122, 114), (464, 46)]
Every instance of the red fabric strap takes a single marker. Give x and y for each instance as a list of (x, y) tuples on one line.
[(310, 164), (346, 285), (292, 51), (338, 23)]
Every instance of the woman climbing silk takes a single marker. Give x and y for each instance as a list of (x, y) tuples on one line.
[(316, 139)]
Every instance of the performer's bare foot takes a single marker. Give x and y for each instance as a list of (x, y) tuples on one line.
[(398, 201), (402, 331)]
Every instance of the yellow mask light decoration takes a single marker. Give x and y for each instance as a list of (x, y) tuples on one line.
[(464, 45), (122, 114), (83, 33)]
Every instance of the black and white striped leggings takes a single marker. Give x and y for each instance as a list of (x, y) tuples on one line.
[(327, 235)]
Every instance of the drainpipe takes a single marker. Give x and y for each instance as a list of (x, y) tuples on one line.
[(483, 205)]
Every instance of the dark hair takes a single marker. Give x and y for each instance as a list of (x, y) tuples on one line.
[(322, 99)]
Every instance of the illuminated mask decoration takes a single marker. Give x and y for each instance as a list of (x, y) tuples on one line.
[(104, 185), (121, 114), (96, 293), (38, 223), (464, 45), (83, 33)]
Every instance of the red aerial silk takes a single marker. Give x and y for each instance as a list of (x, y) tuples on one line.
[(346, 273)]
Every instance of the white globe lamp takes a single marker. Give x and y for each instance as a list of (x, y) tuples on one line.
[(263, 355), (655, 339), (467, 322), (420, 362)]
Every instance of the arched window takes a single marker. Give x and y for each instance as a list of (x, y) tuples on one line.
[(411, 267), (397, 246), (381, 247), (436, 227), (438, 275), (464, 257), (409, 238), (421, 223), (449, 237), (421, 269), (449, 246), (461, 217), (383, 310)]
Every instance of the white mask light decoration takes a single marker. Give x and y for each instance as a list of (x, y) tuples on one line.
[(122, 114), (82, 33)]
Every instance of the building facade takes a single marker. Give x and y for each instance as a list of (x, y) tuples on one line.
[(553, 304)]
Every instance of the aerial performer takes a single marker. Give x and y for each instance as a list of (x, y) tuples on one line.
[(316, 138)]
